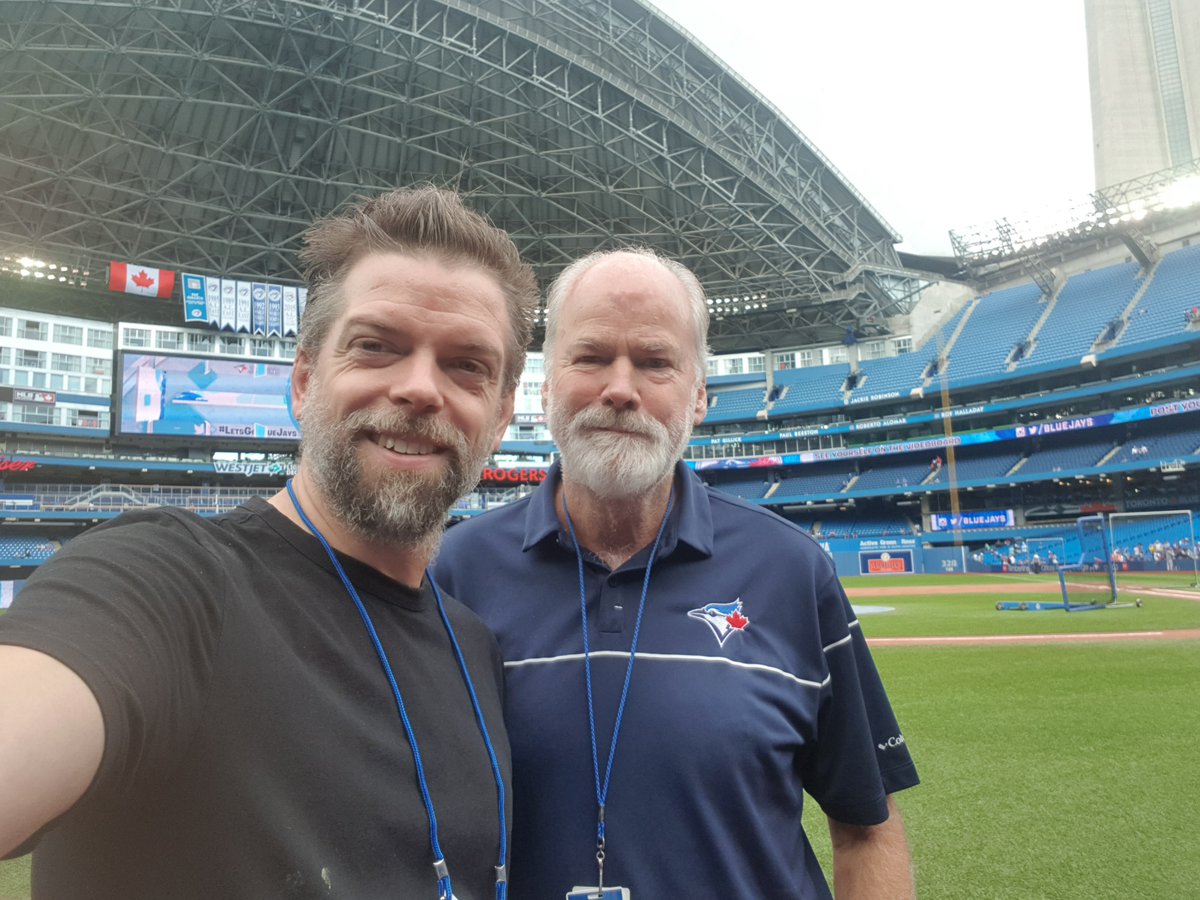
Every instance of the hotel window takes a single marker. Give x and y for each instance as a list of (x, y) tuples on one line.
[(137, 337), (201, 343), (31, 359), (168, 340), (63, 362), (32, 331), (68, 334)]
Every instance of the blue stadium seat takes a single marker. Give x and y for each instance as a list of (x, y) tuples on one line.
[(1160, 312), (1086, 304), (998, 322)]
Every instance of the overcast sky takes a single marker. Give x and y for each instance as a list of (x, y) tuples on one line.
[(942, 113)]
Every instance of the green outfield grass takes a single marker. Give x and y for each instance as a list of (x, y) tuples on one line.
[(1049, 771), (1056, 772), (971, 613)]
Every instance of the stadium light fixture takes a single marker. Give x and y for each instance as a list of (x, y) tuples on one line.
[(1179, 194)]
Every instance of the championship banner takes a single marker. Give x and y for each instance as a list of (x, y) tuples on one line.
[(228, 304), (212, 300), (291, 315), (243, 306), (128, 278), (258, 307), (301, 302), (274, 310), (195, 298)]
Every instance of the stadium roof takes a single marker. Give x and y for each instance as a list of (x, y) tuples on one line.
[(204, 135)]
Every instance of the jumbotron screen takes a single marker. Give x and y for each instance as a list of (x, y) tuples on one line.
[(196, 397)]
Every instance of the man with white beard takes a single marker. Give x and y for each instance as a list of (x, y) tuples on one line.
[(278, 701), (682, 775)]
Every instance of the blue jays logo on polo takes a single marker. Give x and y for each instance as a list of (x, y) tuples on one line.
[(724, 619)]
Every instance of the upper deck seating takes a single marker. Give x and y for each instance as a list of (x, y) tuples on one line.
[(1161, 310), (813, 387), (1086, 304), (999, 321), (736, 405)]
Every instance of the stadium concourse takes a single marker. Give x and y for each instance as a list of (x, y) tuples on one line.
[(915, 414)]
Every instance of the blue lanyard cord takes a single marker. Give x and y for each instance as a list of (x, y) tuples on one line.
[(602, 791), (445, 891), (501, 871)]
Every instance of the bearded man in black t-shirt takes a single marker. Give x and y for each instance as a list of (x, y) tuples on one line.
[(279, 702)]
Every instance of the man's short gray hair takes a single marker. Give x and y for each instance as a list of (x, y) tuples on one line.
[(562, 286)]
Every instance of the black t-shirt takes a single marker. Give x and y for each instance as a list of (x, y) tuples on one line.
[(252, 743)]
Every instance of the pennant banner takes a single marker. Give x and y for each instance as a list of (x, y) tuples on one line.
[(212, 301), (274, 310), (258, 316), (128, 278), (291, 316), (228, 304), (195, 298), (259, 307), (243, 306)]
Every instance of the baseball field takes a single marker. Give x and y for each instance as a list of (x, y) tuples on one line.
[(1059, 751)]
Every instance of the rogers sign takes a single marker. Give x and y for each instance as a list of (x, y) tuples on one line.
[(512, 476)]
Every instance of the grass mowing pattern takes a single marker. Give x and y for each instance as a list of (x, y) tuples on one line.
[(1054, 772), (1051, 772)]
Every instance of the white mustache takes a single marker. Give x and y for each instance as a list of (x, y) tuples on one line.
[(630, 422)]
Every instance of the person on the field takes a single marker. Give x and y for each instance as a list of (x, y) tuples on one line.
[(278, 702), (681, 666)]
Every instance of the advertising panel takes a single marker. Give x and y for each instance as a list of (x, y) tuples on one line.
[(885, 562), (984, 518)]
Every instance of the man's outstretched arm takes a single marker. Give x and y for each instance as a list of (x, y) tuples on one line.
[(51, 742), (872, 862)]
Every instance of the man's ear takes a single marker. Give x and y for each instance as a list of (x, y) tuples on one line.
[(701, 408), (302, 373)]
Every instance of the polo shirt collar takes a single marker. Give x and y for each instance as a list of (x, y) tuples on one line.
[(691, 520)]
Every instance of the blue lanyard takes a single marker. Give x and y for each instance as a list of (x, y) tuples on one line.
[(445, 892), (602, 790)]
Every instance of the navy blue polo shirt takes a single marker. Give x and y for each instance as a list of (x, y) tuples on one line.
[(752, 685)]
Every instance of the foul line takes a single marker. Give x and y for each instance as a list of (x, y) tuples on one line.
[(1026, 638)]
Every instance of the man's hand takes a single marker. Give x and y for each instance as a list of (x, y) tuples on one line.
[(51, 742)]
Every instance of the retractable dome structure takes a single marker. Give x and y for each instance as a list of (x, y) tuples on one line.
[(204, 135)]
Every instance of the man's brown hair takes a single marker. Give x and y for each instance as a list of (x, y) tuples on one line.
[(422, 221)]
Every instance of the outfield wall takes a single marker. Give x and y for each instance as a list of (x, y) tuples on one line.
[(905, 556)]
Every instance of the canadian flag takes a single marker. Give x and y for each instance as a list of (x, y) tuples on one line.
[(131, 279)]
